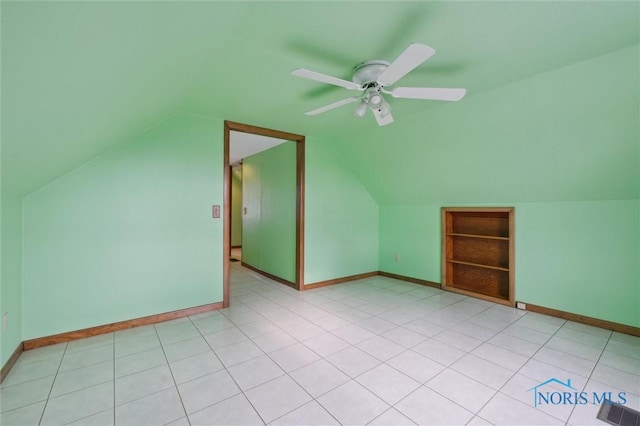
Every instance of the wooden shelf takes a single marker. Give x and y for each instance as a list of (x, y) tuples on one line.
[(477, 265), (474, 293), (478, 252), (485, 237)]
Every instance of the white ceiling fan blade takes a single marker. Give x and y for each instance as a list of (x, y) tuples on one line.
[(333, 105), (436, 94), (382, 119), (412, 56), (323, 78)]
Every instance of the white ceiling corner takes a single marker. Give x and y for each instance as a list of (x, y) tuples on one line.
[(243, 145)]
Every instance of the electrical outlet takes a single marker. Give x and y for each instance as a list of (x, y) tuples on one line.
[(396, 257), (521, 305), (5, 321)]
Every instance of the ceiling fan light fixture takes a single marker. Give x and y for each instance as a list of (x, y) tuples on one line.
[(385, 109), (360, 110), (375, 101)]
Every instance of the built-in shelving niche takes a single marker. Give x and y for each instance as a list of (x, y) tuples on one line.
[(478, 252)]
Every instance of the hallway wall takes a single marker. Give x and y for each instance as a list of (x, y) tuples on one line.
[(236, 207), (269, 197)]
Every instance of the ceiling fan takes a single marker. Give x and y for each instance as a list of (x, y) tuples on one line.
[(372, 79)]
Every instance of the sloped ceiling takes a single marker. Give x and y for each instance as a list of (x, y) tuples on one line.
[(243, 145), (80, 77)]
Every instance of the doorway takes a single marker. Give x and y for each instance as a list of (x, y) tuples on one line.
[(230, 126)]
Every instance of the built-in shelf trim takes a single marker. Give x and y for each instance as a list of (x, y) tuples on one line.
[(478, 265), (483, 237)]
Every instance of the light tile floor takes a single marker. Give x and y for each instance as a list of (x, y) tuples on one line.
[(376, 351)]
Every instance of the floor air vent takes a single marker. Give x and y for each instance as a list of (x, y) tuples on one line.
[(618, 415)]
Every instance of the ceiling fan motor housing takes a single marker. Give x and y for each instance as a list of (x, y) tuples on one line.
[(367, 72)]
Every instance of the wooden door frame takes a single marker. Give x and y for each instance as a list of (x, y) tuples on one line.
[(226, 244)]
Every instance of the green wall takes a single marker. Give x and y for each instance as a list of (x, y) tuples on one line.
[(579, 257), (236, 207), (563, 148), (410, 234), (341, 220), (11, 273), (269, 225), (128, 234)]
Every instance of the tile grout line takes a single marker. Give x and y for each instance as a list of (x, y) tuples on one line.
[(96, 384), (227, 371), (114, 378), (44, 409), (592, 371), (287, 373), (175, 384), (507, 349), (522, 366), (354, 379), (379, 335), (66, 393), (448, 367)]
